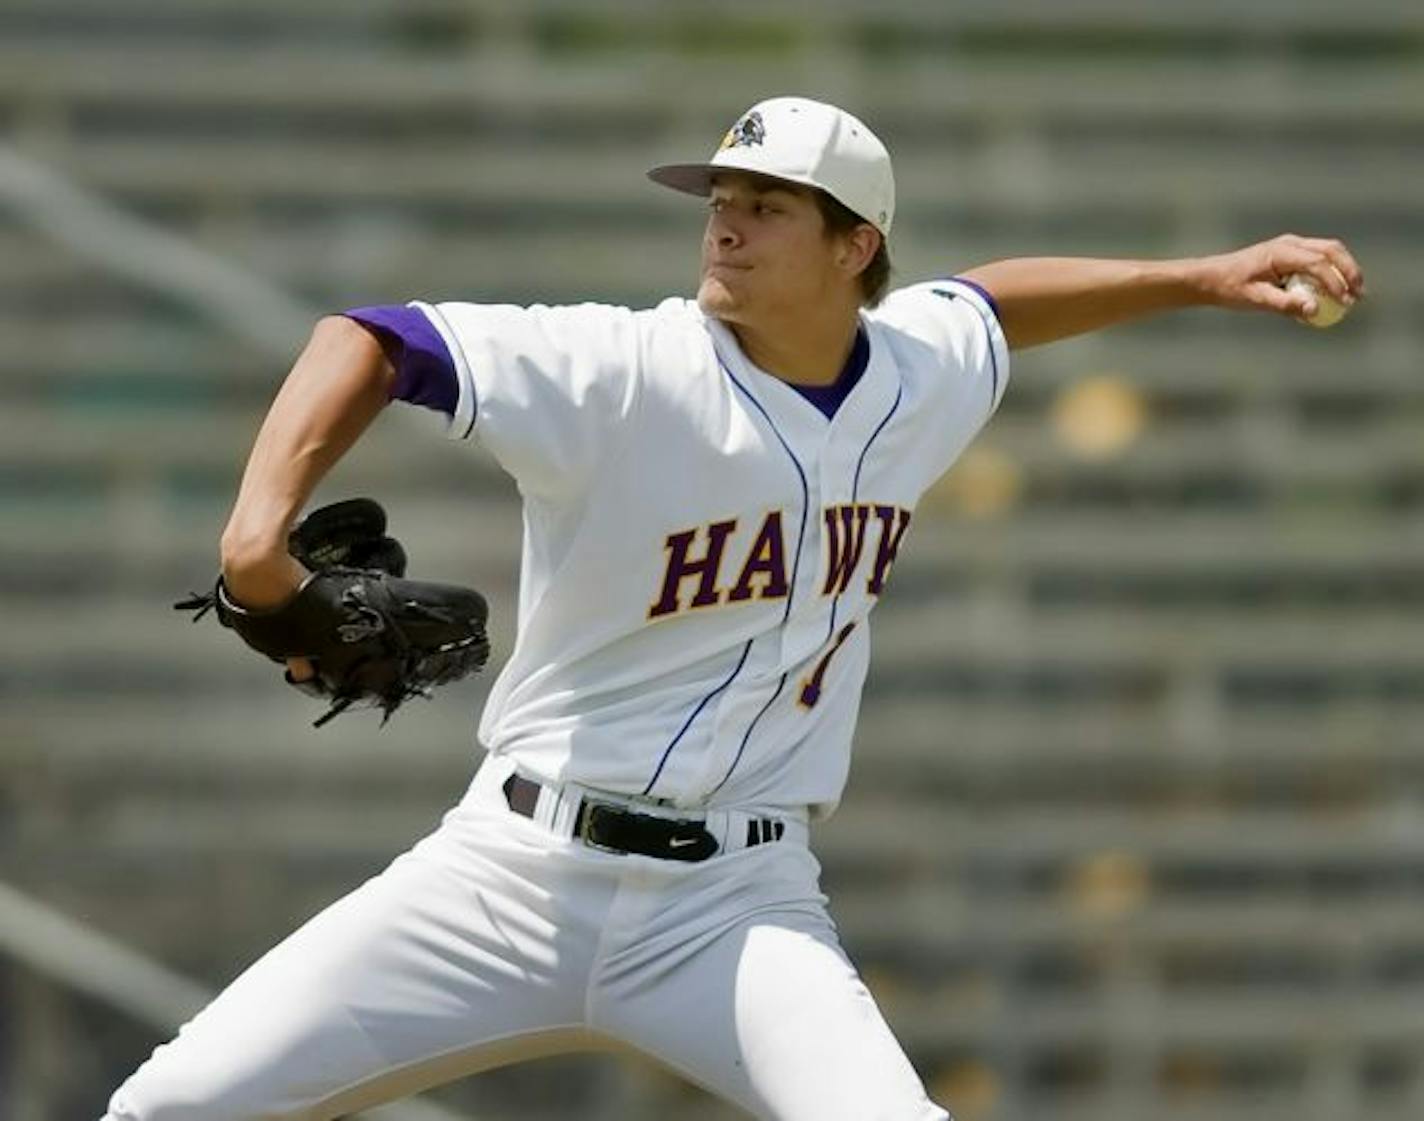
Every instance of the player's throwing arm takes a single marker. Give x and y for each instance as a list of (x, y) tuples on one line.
[(1312, 280)]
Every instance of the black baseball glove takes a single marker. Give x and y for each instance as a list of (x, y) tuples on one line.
[(374, 638)]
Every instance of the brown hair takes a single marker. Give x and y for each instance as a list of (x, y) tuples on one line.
[(840, 220)]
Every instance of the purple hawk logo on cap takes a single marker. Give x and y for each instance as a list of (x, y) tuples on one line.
[(746, 132)]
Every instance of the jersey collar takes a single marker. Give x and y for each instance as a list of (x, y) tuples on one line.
[(869, 376)]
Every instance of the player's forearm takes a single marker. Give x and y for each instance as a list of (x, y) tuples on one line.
[(1043, 299), (337, 387)]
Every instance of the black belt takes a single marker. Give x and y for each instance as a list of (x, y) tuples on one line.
[(614, 828)]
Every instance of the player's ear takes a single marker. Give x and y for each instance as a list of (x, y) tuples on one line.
[(858, 248)]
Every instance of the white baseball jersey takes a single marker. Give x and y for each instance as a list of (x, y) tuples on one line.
[(702, 544)]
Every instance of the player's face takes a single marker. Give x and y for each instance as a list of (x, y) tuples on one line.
[(765, 253)]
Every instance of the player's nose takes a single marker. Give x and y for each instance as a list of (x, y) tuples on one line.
[(722, 232)]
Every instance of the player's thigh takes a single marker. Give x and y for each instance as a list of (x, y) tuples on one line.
[(768, 1012), (810, 1038), (421, 975)]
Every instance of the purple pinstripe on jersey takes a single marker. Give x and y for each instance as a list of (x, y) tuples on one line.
[(800, 537), (425, 372), (855, 486), (988, 328)]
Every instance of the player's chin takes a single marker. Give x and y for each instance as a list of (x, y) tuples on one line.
[(715, 298)]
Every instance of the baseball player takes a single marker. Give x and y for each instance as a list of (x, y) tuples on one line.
[(715, 492)]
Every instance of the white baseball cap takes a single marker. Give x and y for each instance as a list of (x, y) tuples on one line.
[(803, 141)]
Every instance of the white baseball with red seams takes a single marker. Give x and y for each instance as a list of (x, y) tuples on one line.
[(703, 547)]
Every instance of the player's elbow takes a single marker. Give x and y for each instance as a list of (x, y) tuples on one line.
[(243, 547), (344, 341)]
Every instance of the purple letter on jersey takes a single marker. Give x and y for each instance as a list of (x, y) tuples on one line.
[(425, 373)]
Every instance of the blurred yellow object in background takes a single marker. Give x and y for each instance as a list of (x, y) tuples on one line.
[(1099, 417), (972, 1085), (984, 483), (1109, 885)]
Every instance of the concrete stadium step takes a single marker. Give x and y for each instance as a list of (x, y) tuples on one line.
[(1277, 451), (930, 917), (1212, 1026), (1226, 1103), (1201, 694), (1032, 747), (926, 841), (1260, 81), (1216, 543), (482, 176), (1213, 14), (1012, 596), (1246, 762), (308, 831), (947, 632), (404, 444), (80, 752), (347, 261), (62, 341)]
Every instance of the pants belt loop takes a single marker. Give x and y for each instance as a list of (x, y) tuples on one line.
[(548, 807), (565, 808)]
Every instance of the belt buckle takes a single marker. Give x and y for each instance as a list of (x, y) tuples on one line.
[(585, 815)]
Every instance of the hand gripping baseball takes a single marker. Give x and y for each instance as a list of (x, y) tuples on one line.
[(373, 638), (1258, 277)]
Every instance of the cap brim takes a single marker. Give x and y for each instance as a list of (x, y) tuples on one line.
[(689, 178), (696, 178)]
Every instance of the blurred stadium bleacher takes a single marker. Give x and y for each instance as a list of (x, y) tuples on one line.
[(1136, 823)]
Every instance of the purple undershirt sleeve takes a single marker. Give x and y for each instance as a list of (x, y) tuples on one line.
[(425, 372)]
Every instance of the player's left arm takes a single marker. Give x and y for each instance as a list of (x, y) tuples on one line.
[(1043, 299)]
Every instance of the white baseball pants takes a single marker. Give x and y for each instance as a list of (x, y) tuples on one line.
[(498, 939)]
